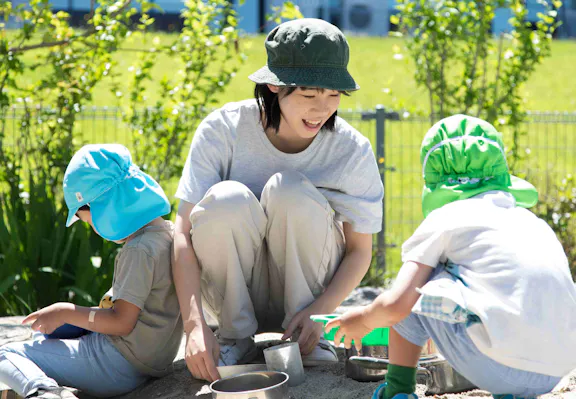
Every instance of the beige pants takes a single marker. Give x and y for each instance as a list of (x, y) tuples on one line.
[(264, 261)]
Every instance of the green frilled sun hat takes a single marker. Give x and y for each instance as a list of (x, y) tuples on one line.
[(463, 156), (307, 52)]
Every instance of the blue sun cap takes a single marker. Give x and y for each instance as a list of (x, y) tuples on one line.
[(122, 198)]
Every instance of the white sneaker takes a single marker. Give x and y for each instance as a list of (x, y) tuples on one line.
[(236, 351), (323, 353), (53, 393)]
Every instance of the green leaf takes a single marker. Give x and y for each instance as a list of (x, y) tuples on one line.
[(24, 304), (8, 282), (80, 292), (49, 270)]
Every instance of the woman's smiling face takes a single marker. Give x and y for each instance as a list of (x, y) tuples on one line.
[(305, 110)]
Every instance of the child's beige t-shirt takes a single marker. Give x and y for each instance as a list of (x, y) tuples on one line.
[(143, 277)]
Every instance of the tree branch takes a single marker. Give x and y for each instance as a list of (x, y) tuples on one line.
[(443, 84), (88, 33), (480, 39), (483, 89), (492, 115)]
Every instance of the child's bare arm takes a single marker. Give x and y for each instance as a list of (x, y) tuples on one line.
[(388, 309), (119, 320), (396, 304)]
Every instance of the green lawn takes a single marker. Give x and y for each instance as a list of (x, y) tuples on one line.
[(387, 81), (383, 79)]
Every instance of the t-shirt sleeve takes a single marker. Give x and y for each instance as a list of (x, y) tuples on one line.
[(133, 276), (207, 159), (428, 244), (359, 200)]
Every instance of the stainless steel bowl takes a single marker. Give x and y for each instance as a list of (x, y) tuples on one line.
[(256, 385), (365, 367), (360, 370), (442, 378), (433, 371)]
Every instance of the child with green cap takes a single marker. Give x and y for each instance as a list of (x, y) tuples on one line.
[(483, 277), (140, 335), (279, 201)]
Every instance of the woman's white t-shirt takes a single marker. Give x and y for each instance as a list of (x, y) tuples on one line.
[(230, 144)]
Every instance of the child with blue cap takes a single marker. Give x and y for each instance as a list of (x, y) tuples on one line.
[(483, 277), (140, 334)]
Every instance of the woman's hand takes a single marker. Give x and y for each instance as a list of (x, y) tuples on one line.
[(202, 350), (48, 319), (354, 325), (310, 331)]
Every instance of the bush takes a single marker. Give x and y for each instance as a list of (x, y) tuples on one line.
[(42, 261), (558, 208)]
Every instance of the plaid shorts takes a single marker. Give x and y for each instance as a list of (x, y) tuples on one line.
[(440, 298)]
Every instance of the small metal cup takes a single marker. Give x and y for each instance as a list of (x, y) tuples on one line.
[(286, 358)]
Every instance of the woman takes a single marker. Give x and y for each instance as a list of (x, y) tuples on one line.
[(279, 201)]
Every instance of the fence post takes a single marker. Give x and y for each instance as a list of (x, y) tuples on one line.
[(380, 116)]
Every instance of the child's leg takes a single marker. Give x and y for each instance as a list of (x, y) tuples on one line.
[(20, 373), (404, 352), (90, 363), (456, 346)]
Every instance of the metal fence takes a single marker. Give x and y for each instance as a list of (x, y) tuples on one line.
[(548, 148)]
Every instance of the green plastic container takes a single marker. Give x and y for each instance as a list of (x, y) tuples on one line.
[(378, 336)]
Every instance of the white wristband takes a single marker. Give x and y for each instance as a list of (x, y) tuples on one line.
[(91, 316)]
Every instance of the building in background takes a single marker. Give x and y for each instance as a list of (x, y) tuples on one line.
[(566, 15), (361, 17)]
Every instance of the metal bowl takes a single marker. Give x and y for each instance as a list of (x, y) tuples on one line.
[(361, 371), (229, 371), (366, 367), (441, 378), (256, 385)]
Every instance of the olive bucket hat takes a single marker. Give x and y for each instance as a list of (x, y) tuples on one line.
[(463, 156), (122, 198), (307, 52)]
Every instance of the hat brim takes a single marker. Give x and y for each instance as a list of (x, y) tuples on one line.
[(525, 193), (72, 218), (433, 198), (330, 78), (128, 206)]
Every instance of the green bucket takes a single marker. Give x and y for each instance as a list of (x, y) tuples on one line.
[(378, 336)]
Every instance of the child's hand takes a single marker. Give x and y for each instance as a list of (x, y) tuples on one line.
[(48, 319), (353, 326)]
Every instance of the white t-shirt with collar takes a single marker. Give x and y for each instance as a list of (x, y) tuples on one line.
[(515, 278)]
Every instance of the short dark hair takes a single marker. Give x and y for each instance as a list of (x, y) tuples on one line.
[(84, 208), (270, 109)]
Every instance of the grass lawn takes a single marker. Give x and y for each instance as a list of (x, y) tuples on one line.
[(388, 81), (383, 79)]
